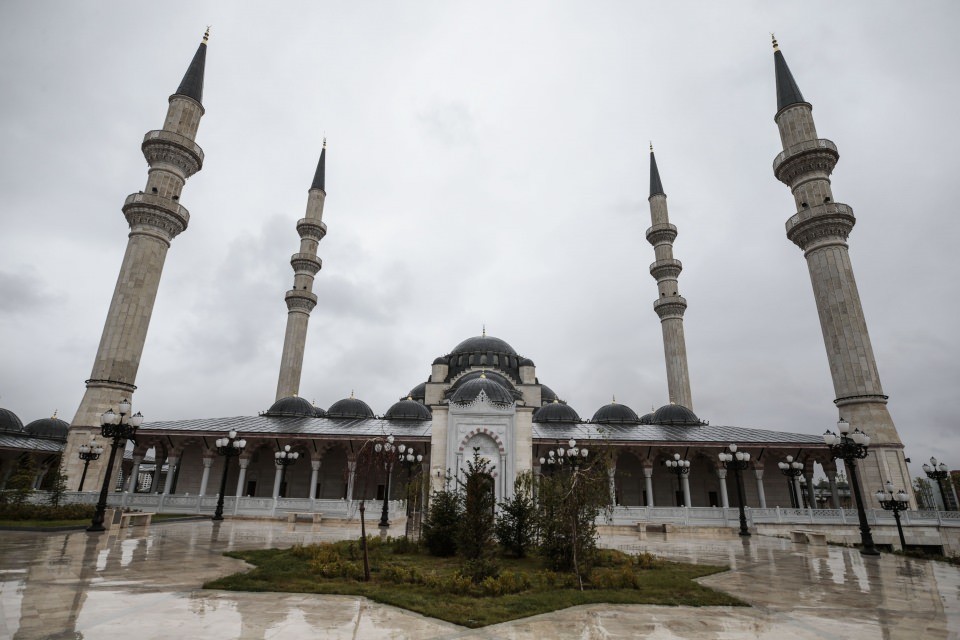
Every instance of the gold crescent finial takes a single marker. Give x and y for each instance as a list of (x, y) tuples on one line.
[(651, 146), (324, 142), (54, 416), (206, 35), (484, 329), (351, 393), (776, 47), (614, 398)]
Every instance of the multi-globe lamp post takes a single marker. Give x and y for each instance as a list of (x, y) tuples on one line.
[(229, 447), (681, 468), (410, 460), (284, 458), (391, 454), (738, 461), (89, 452), (793, 469), (938, 471), (896, 502), (117, 427), (573, 456), (850, 447)]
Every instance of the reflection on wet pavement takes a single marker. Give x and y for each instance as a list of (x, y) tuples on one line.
[(147, 585)]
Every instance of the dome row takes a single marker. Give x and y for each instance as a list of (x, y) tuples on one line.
[(53, 428), (349, 409)]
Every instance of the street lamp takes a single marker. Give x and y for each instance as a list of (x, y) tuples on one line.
[(91, 451), (851, 447), (681, 468), (557, 458), (117, 426), (284, 458), (410, 460), (939, 472), (895, 502), (390, 454), (793, 469), (738, 461), (229, 447)]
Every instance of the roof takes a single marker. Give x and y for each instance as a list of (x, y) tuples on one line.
[(408, 409), (319, 178), (479, 344), (192, 83), (656, 187), (9, 441), (350, 408), (655, 434), (48, 428), (556, 412), (292, 406), (788, 92), (614, 413), (253, 425)]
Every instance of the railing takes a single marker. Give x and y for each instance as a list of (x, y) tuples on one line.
[(177, 139), (150, 199), (719, 516), (808, 145)]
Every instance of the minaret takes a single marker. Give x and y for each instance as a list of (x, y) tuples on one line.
[(820, 228), (300, 299), (670, 306), (156, 217)]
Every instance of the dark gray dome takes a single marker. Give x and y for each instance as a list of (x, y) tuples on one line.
[(54, 428), (614, 413), (471, 389), (647, 418), (408, 409), (556, 411), (483, 352), (318, 412), (499, 378), (9, 422), (547, 395), (418, 393), (526, 362), (676, 415), (482, 344), (442, 360), (292, 406), (350, 408)]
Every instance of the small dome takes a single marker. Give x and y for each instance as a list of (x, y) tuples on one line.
[(408, 409), (676, 415), (318, 412), (647, 418), (526, 362), (471, 389), (9, 422), (556, 411), (350, 408), (614, 413), (418, 393), (442, 360), (292, 406), (482, 344), (547, 395), (48, 428)]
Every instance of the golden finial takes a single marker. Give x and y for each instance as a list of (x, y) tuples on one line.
[(614, 398), (409, 397), (54, 416), (556, 401), (324, 142), (351, 394), (651, 146), (484, 330), (206, 35), (483, 373), (776, 47)]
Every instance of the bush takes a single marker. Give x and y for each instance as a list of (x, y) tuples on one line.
[(401, 575), (404, 546), (479, 569), (46, 512), (440, 526), (516, 527), (20, 484)]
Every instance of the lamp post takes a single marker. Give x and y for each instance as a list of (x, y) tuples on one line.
[(410, 460), (284, 458), (391, 454), (738, 461), (118, 427), (91, 451), (229, 447), (793, 469), (681, 468), (573, 456), (851, 447), (938, 471), (895, 502)]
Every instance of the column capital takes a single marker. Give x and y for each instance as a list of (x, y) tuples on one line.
[(759, 473), (315, 465), (207, 461)]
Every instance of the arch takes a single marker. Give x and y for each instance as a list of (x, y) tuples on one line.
[(484, 431)]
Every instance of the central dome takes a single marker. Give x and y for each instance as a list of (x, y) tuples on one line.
[(483, 344)]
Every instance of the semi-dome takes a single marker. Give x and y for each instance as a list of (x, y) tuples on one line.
[(676, 415), (9, 422), (556, 411), (499, 378), (350, 408), (48, 428), (614, 413), (418, 393), (471, 390), (547, 395), (292, 406), (408, 409)]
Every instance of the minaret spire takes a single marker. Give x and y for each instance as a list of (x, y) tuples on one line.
[(820, 227), (670, 306), (300, 299), (192, 83), (156, 216)]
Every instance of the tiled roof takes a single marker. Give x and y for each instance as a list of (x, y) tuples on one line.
[(653, 434), (253, 425), (31, 444)]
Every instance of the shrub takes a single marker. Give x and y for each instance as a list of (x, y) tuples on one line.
[(475, 530), (516, 526), (479, 569), (20, 484), (404, 546), (401, 575), (46, 512), (440, 526)]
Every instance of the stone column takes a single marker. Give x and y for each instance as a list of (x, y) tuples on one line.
[(276, 482), (830, 468), (811, 490), (612, 486), (314, 472), (724, 497), (798, 490), (351, 478), (241, 478), (686, 491), (207, 464), (133, 480), (760, 494), (171, 463), (648, 481)]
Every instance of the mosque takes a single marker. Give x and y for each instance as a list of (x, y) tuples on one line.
[(482, 394)]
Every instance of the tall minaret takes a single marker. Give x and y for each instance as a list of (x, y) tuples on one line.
[(301, 300), (670, 306), (156, 217), (820, 228)]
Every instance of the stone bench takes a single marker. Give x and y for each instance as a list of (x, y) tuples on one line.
[(806, 536), (293, 516), (135, 519)]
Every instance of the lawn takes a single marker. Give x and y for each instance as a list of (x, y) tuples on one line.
[(409, 578)]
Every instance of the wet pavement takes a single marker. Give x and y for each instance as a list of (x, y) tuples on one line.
[(147, 584)]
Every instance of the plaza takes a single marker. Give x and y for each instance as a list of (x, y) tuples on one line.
[(148, 582)]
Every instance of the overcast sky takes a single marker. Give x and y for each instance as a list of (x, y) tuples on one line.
[(487, 163)]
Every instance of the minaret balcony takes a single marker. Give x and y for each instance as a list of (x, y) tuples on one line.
[(666, 269), (827, 220), (670, 307), (661, 233), (300, 300), (305, 264), (168, 147), (810, 155), (145, 209), (310, 228)]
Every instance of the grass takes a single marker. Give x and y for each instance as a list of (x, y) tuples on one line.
[(433, 587), (74, 522)]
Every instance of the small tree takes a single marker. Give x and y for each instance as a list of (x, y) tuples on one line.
[(440, 525), (923, 490), (58, 485), (20, 484), (516, 528), (475, 542)]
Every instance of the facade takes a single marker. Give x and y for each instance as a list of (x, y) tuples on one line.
[(482, 395)]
